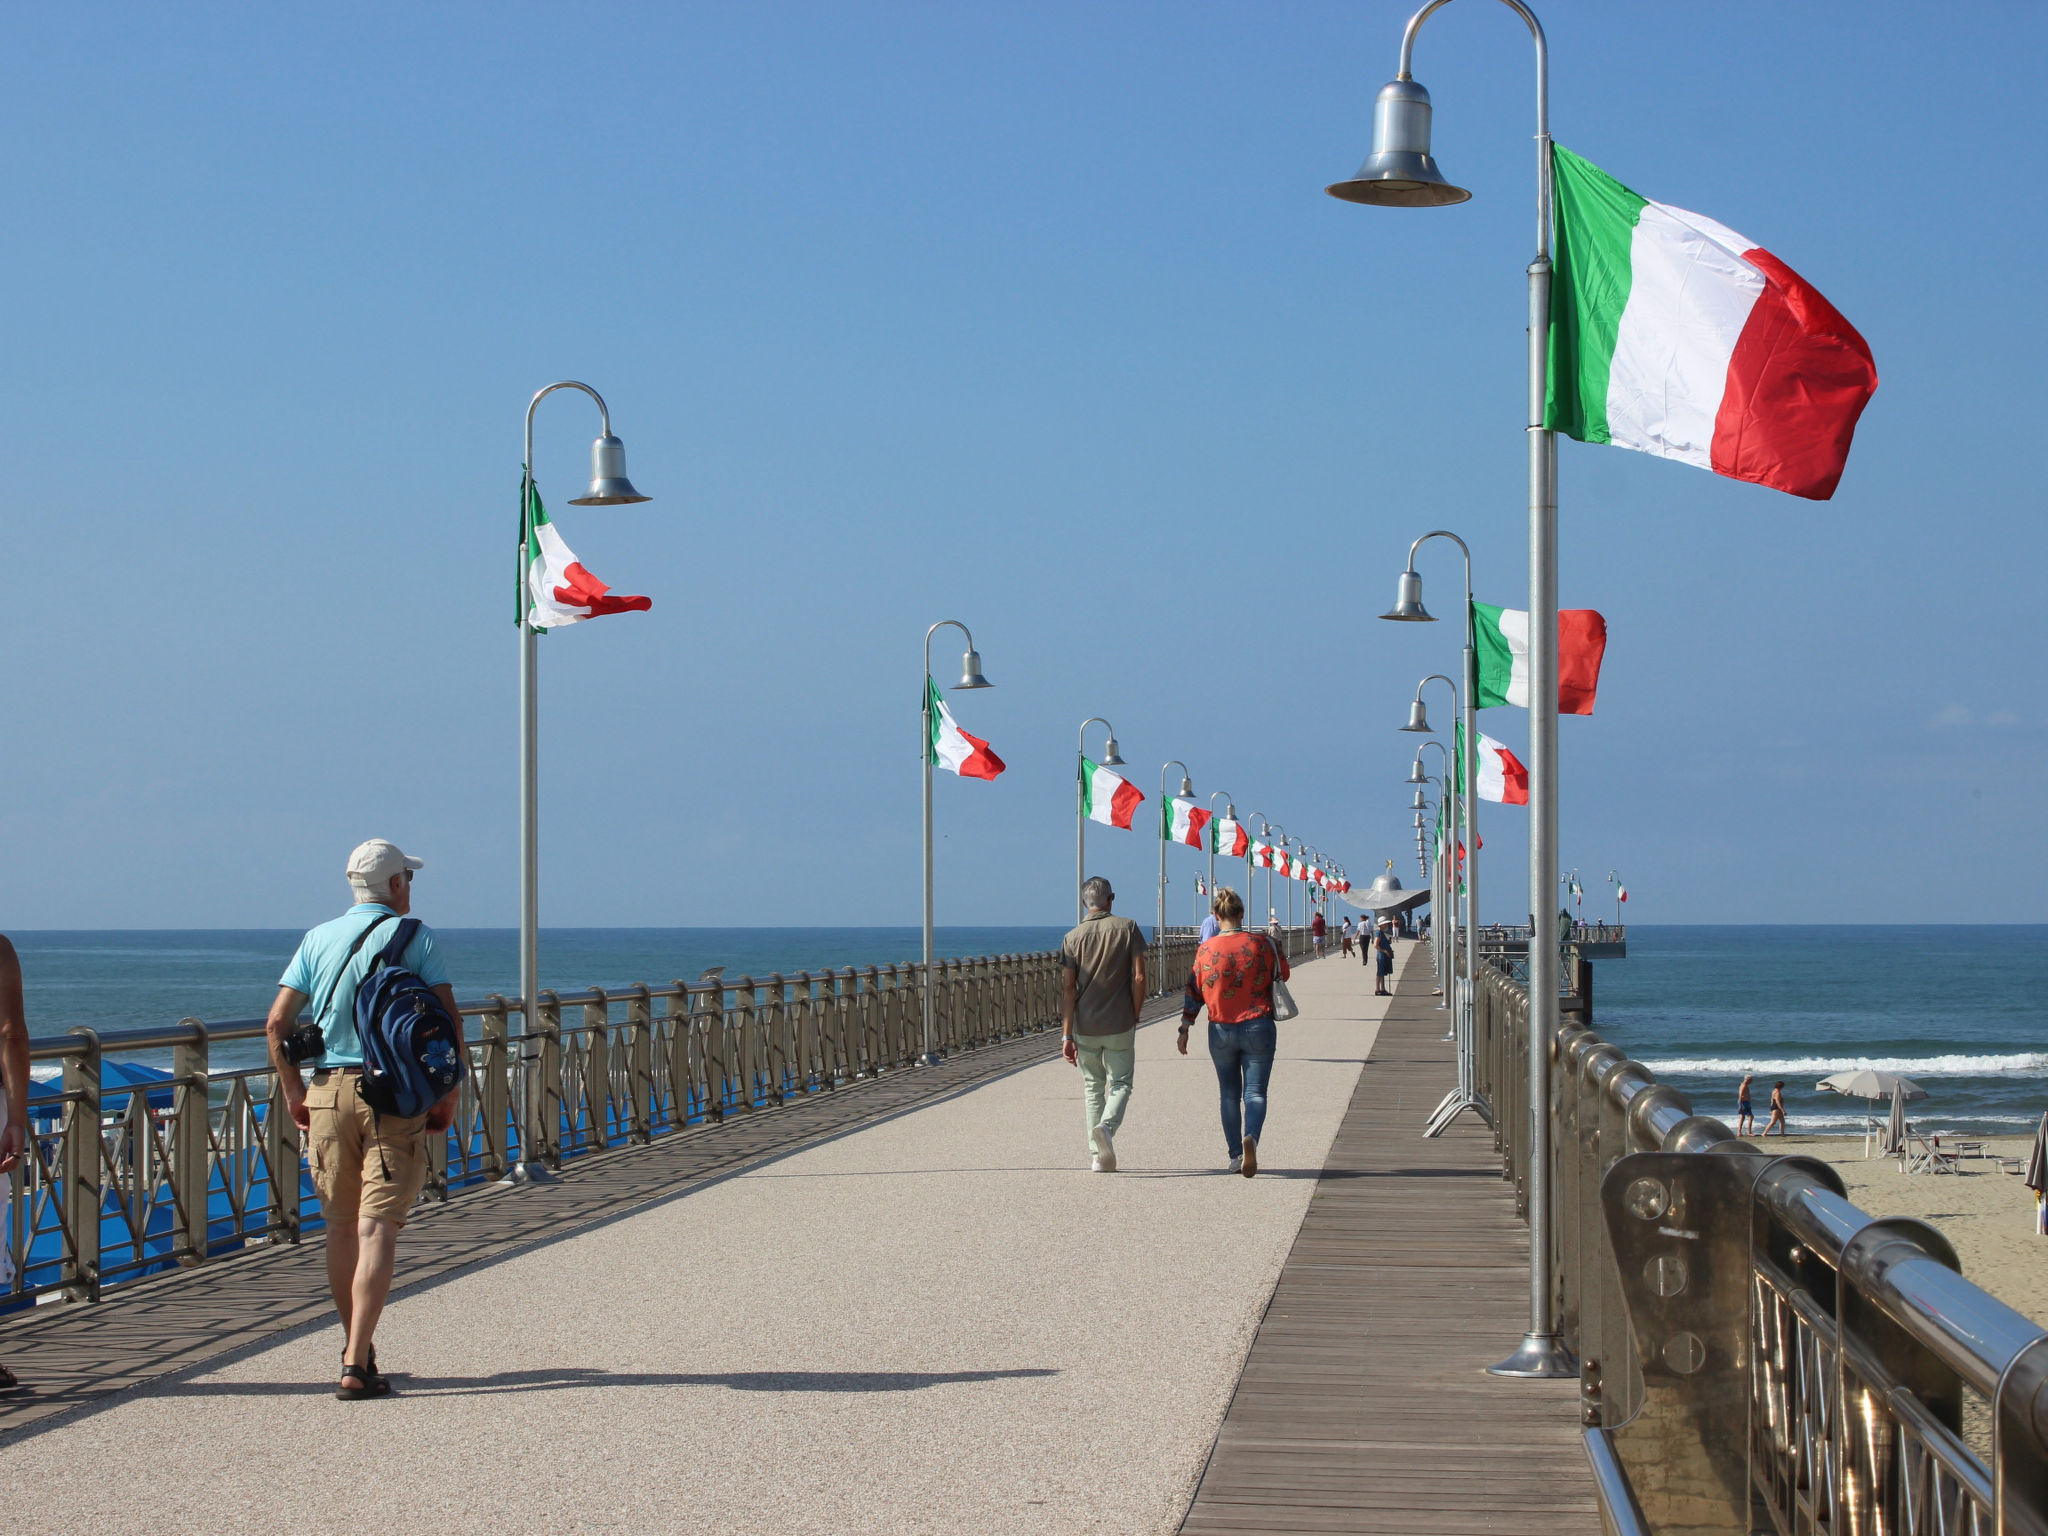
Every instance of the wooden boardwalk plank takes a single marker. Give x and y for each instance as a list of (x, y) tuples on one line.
[(1364, 1405)]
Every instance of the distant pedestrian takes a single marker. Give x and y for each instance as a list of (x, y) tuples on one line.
[(1319, 931), (1208, 930), (13, 1110), (368, 1169), (1777, 1121), (1745, 1112), (1383, 960), (1233, 978), (1102, 966), (1344, 937)]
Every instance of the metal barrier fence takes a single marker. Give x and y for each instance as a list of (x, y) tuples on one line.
[(125, 1180), (1756, 1353)]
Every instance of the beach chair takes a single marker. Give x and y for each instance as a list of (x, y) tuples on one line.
[(1920, 1155)]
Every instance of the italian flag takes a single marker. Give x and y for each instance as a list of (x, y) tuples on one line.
[(952, 748), (1502, 778), (559, 590), (1673, 335), (1107, 797), (1229, 839), (1262, 855), (1621, 893), (1282, 864), (1183, 821), (1501, 640)]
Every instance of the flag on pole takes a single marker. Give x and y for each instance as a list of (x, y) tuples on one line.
[(1107, 797), (1229, 838), (1502, 778), (1201, 886), (1262, 855), (1282, 865), (952, 748), (1673, 335), (1621, 893), (1501, 639), (558, 589), (1183, 821)]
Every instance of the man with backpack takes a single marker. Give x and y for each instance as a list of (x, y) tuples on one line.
[(368, 1162)]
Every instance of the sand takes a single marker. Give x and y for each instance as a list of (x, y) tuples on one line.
[(1986, 1213)]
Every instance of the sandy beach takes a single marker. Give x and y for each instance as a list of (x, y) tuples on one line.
[(1988, 1214)]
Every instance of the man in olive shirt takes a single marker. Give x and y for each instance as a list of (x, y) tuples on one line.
[(1103, 963)]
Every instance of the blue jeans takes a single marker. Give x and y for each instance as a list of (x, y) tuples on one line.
[(1243, 1054)]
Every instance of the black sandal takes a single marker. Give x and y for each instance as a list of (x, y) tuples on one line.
[(367, 1383)]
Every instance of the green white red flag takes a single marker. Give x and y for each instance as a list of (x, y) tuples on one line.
[(1262, 855), (1673, 335), (1107, 797), (1183, 821), (1228, 838), (1502, 778), (558, 590), (1501, 640), (952, 748)]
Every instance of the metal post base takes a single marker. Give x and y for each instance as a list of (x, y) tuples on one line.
[(930, 1059), (1454, 1104), (534, 1172), (1539, 1357)]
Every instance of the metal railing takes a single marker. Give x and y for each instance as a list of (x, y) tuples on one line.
[(1756, 1352), (122, 1181)]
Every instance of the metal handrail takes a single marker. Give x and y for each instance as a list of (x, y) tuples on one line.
[(114, 1187), (1756, 1351)]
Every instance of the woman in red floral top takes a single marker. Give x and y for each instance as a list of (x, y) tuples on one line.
[(1233, 978)]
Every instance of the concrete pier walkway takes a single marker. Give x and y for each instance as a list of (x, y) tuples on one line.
[(914, 1311)]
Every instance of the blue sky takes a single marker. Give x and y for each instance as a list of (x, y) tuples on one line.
[(1034, 316)]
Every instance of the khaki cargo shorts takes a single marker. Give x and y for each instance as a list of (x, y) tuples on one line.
[(362, 1166)]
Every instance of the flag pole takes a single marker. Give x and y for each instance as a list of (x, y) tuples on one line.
[(1109, 760), (970, 677), (1166, 831)]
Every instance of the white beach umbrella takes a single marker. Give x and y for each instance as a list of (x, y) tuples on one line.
[(1865, 1083)]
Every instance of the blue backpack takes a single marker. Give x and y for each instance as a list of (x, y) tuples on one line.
[(412, 1049)]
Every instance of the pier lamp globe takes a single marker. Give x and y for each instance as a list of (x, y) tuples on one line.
[(1400, 172), (970, 672), (1408, 607), (1187, 787), (1415, 774), (1110, 758), (1420, 804), (1418, 719), (609, 486)]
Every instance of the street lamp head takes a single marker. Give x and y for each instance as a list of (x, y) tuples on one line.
[(970, 672), (1415, 773), (1110, 759), (1418, 719), (1421, 804), (1187, 787), (1399, 173), (1408, 601), (609, 486)]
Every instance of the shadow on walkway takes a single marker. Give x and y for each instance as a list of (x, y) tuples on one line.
[(569, 1378)]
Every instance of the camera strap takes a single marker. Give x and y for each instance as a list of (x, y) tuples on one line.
[(346, 961)]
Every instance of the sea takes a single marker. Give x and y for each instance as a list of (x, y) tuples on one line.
[(1963, 1011)]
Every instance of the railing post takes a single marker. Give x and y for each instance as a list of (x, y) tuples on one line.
[(190, 1142), (547, 1080), (871, 1031), (640, 1066), (683, 1054), (81, 1160), (596, 1109), (493, 1096), (774, 1029)]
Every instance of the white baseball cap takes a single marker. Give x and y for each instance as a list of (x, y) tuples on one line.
[(373, 864)]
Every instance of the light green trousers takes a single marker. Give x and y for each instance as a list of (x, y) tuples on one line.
[(1106, 1064)]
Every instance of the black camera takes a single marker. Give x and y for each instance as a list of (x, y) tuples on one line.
[(304, 1042)]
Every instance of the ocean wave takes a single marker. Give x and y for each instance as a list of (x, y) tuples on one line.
[(2019, 1064)]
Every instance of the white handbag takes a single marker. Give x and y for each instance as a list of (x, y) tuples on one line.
[(1284, 1005)]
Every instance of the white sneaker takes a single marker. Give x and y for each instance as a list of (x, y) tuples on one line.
[(1105, 1149), (1095, 1166), (1237, 1163)]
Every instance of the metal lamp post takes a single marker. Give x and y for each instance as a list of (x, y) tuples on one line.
[(970, 677), (1454, 802), (1187, 790), (1251, 872), (609, 487), (1230, 814), (1614, 879), (1266, 831), (1401, 173), (1110, 760)]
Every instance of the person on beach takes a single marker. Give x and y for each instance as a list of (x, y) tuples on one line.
[(367, 1169), (1318, 930), (13, 1109), (1745, 1113), (1383, 961), (1777, 1120), (1102, 968), (1233, 978)]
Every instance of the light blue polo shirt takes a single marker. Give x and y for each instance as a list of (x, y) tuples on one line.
[(319, 961)]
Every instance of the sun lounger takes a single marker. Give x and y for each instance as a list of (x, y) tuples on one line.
[(1920, 1155)]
